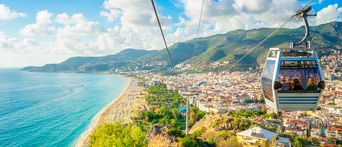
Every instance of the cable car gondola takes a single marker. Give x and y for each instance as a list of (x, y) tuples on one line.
[(292, 78)]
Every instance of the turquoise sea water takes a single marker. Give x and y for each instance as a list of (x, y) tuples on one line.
[(51, 109)]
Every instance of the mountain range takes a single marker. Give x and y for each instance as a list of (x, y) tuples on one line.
[(229, 46)]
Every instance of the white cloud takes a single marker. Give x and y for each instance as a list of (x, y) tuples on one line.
[(133, 13), (78, 25), (6, 13), (329, 14), (64, 33), (245, 14), (44, 17), (111, 14), (41, 27), (108, 39), (137, 22), (220, 16), (212, 9), (255, 6), (62, 18), (137, 25), (13, 45), (6, 43), (111, 11), (69, 37)]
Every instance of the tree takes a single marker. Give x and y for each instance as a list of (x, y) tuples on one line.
[(232, 141), (192, 117), (263, 109), (175, 113), (297, 143), (117, 134), (191, 141), (175, 132), (274, 115)]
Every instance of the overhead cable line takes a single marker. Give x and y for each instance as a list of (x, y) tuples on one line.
[(270, 35), (198, 28), (162, 33), (255, 47)]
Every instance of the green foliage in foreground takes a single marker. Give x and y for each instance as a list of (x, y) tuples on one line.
[(193, 140), (164, 109), (118, 134), (159, 96), (165, 104)]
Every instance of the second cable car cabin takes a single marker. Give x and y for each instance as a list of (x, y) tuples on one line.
[(292, 80)]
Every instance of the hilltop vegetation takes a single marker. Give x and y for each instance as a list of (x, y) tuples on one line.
[(229, 46)]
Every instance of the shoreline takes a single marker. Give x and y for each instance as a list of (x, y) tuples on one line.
[(99, 118)]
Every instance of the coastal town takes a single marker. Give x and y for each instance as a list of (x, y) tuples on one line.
[(226, 95), (223, 92)]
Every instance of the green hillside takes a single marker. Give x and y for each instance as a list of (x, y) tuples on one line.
[(94, 64), (233, 45)]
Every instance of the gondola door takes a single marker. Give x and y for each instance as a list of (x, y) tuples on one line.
[(268, 76)]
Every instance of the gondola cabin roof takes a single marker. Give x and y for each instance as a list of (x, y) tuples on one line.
[(291, 54)]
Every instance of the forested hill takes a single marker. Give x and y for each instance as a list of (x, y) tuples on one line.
[(221, 47), (94, 64)]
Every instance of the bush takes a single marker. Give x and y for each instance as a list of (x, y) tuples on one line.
[(191, 141), (200, 131), (175, 132), (271, 116)]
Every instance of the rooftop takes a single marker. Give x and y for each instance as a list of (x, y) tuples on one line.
[(258, 132), (335, 127), (283, 140)]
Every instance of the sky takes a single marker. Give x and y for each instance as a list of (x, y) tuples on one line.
[(38, 32)]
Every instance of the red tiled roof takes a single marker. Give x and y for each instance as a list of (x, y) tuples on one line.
[(322, 139), (328, 145), (294, 129), (335, 127)]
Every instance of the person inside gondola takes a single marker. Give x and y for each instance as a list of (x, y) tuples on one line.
[(297, 85), (311, 84), (291, 85), (285, 85)]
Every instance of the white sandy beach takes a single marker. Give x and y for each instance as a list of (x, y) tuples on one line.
[(124, 107)]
